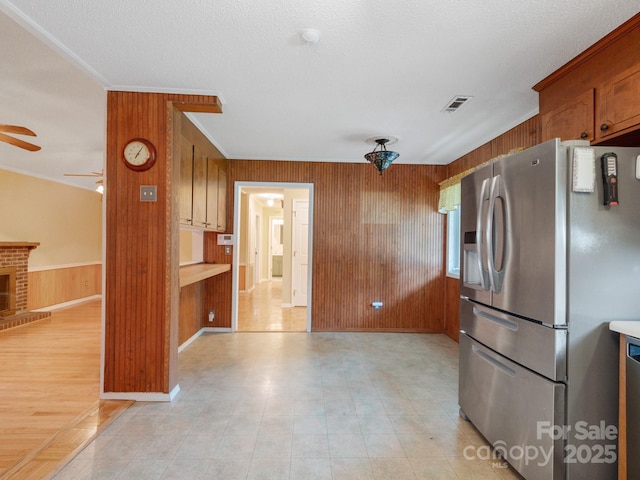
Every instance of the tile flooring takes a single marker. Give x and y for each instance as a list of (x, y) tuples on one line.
[(302, 406)]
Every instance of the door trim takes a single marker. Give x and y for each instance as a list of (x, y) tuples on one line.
[(237, 186)]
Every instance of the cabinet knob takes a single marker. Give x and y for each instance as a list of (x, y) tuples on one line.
[(584, 135), (604, 127)]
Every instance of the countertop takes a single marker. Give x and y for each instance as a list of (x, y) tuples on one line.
[(631, 327), (194, 273)]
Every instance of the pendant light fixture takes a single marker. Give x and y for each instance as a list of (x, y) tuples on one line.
[(380, 157)]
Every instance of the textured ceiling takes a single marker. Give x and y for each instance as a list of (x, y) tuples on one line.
[(381, 67)]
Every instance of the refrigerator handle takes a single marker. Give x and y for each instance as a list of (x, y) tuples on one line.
[(480, 234), (491, 263)]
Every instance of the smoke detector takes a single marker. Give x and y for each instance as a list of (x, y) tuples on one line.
[(310, 36), (456, 102)]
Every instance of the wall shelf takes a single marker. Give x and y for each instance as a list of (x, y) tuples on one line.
[(200, 271)]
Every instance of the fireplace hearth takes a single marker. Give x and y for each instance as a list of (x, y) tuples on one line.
[(14, 260)]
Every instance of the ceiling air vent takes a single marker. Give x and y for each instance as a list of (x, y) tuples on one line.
[(456, 102)]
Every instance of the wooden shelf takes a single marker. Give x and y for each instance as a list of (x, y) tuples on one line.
[(200, 271)]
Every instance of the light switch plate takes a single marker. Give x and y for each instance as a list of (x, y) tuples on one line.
[(148, 193)]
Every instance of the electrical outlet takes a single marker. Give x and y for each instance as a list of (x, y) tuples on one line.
[(212, 315)]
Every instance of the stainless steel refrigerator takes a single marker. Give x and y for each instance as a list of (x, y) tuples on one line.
[(550, 254)]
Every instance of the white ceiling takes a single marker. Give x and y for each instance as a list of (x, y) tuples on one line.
[(381, 67)]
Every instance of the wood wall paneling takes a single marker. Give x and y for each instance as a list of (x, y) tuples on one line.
[(142, 257), (218, 289), (374, 238), (192, 304), (60, 285), (524, 135), (452, 308)]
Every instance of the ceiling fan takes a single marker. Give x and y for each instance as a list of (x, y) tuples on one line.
[(99, 175), (17, 130)]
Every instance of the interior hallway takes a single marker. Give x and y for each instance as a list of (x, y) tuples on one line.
[(260, 310)]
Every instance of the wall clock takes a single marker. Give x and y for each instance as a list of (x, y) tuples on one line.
[(139, 154)]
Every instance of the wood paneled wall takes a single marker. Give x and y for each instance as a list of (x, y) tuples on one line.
[(525, 135), (142, 256), (60, 285), (374, 238), (192, 310)]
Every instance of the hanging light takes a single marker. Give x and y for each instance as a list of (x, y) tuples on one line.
[(381, 158)]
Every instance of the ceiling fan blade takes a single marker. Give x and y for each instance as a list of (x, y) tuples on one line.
[(17, 129), (19, 143), (92, 174)]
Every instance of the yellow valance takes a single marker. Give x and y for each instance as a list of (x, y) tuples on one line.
[(450, 190)]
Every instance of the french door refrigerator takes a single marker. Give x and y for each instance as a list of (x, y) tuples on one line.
[(545, 266)]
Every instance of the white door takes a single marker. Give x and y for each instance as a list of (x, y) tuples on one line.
[(300, 261), (256, 250)]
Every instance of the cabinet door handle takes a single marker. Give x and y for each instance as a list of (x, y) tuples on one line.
[(584, 135), (604, 127)]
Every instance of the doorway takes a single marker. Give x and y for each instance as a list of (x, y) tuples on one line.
[(267, 239)]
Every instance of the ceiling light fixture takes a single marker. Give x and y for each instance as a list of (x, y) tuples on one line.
[(382, 158)]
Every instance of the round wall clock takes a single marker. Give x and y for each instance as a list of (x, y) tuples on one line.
[(139, 154)]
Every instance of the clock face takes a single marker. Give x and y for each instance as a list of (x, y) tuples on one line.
[(139, 154)]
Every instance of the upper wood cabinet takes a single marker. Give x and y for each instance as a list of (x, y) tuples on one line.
[(596, 96), (573, 120), (216, 197), (222, 200), (619, 103), (203, 181), (199, 188), (185, 194)]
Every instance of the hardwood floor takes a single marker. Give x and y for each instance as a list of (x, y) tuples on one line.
[(261, 311), (49, 392), (50, 374)]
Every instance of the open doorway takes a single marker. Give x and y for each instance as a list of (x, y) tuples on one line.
[(272, 257)]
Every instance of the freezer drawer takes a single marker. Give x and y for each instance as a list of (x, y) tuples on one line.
[(508, 404), (537, 347)]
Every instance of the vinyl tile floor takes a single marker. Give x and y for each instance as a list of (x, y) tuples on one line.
[(299, 406)]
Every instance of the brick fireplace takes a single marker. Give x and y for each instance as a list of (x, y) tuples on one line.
[(14, 264)]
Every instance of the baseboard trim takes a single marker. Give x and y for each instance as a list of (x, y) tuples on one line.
[(68, 304), (216, 329), (141, 396), (195, 336), (189, 341)]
